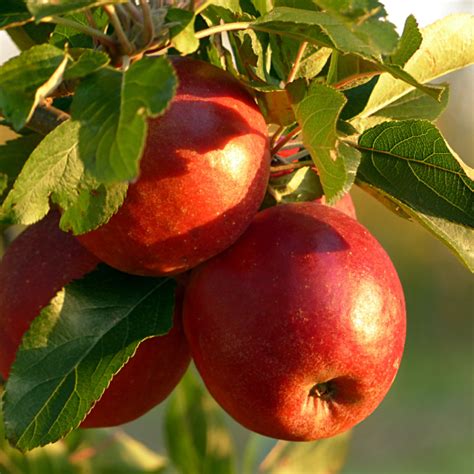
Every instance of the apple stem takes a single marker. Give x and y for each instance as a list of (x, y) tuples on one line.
[(285, 139), (296, 64), (324, 391), (291, 166)]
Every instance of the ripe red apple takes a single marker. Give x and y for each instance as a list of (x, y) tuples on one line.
[(203, 175), (34, 268), (297, 329)]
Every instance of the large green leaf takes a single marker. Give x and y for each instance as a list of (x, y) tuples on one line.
[(112, 108), (457, 237), (13, 155), (410, 161), (28, 78), (446, 47), (409, 42), (55, 171), (196, 436), (324, 29), (73, 349), (317, 111), (415, 105), (319, 27), (44, 8)]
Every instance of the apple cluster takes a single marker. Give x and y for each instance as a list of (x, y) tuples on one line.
[(294, 316)]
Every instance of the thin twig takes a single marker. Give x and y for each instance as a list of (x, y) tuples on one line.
[(149, 32), (121, 36), (276, 136), (291, 166), (134, 11), (241, 25), (285, 140), (296, 64)]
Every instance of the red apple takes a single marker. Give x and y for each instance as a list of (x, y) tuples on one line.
[(297, 329), (34, 268), (203, 175)]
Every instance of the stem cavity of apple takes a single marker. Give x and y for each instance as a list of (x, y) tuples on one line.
[(325, 390)]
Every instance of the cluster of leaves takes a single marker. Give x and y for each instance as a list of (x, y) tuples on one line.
[(334, 75)]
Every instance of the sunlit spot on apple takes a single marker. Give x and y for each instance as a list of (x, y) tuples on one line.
[(234, 160), (366, 312)]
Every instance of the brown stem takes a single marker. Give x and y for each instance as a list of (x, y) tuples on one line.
[(149, 32), (127, 47), (46, 118), (296, 64), (285, 140), (291, 166)]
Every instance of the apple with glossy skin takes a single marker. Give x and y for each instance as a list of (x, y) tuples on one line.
[(297, 329), (203, 175), (40, 262)]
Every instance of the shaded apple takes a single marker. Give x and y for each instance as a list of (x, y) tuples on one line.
[(297, 329), (40, 262), (203, 175)]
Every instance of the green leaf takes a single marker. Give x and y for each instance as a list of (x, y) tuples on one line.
[(456, 237), (317, 111), (28, 78), (446, 47), (52, 459), (13, 155), (382, 36), (13, 13), (88, 62), (410, 41), (317, 457), (55, 171), (410, 161), (69, 355), (415, 105), (182, 34), (65, 35), (300, 185), (318, 27), (349, 71), (357, 98), (43, 8), (113, 108), (354, 9), (323, 29), (196, 436)]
